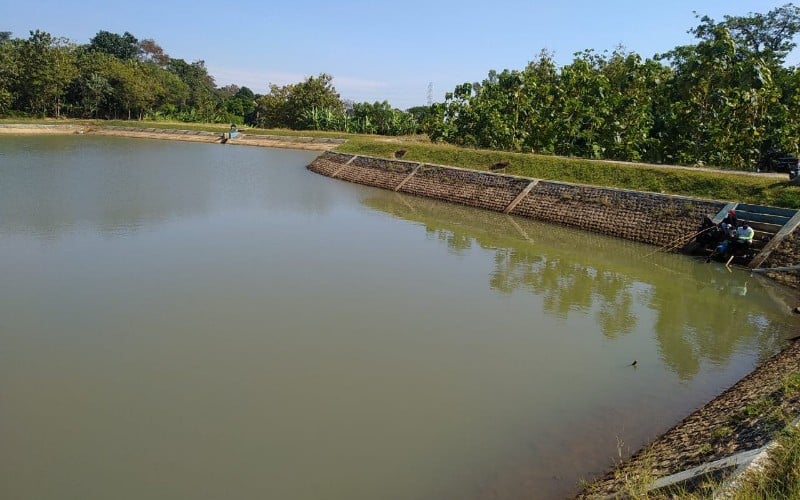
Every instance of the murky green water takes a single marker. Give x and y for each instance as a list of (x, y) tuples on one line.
[(201, 321)]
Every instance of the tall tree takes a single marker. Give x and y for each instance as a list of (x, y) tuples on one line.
[(769, 36), (8, 71), (271, 108), (725, 107), (312, 93), (541, 81), (48, 65), (124, 46), (150, 51), (288, 106), (202, 90)]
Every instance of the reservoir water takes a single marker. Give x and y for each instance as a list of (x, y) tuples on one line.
[(201, 321)]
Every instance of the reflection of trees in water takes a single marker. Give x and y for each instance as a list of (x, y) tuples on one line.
[(700, 314), (709, 324), (566, 286), (456, 242), (616, 315), (561, 278)]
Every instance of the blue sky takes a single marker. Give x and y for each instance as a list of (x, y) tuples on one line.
[(375, 50)]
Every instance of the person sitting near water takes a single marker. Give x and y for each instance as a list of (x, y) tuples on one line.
[(742, 241), (729, 223)]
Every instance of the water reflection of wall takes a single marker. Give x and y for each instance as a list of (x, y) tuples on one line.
[(702, 313), (56, 184)]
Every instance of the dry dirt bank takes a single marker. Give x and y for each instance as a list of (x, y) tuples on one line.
[(272, 141)]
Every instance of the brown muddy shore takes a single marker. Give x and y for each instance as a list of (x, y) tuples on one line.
[(723, 427)]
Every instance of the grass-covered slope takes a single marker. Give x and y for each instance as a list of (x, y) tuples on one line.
[(719, 185)]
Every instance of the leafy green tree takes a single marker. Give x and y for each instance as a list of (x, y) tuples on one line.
[(46, 67), (237, 102), (244, 104), (541, 82), (175, 91), (313, 92), (202, 101), (425, 116), (583, 110), (768, 36), (497, 110), (8, 71), (726, 107), (272, 108), (632, 85), (95, 92), (91, 92), (289, 106), (99, 88), (456, 118), (124, 46)]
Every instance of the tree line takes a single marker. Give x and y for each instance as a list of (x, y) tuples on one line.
[(729, 99), (726, 100), (120, 77)]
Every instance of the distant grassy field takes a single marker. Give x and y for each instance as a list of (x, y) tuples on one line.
[(718, 185)]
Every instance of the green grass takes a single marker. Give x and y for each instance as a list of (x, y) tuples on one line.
[(651, 178), (781, 479)]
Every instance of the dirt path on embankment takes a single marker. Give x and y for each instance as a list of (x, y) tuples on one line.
[(271, 141)]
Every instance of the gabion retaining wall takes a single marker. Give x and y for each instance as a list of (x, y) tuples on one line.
[(329, 163), (657, 219), (787, 253), (467, 187), (646, 217), (376, 172)]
